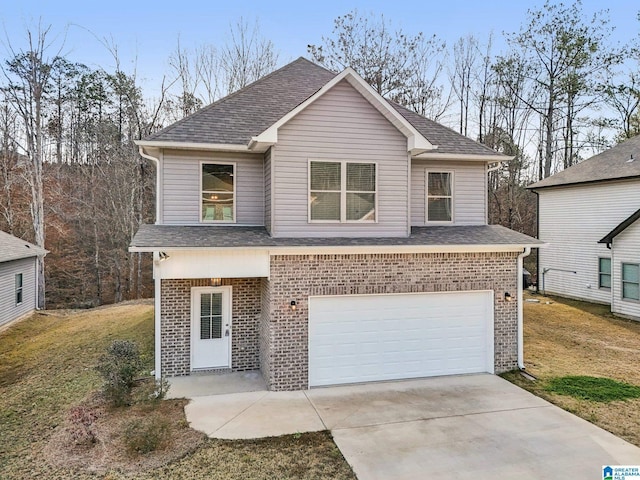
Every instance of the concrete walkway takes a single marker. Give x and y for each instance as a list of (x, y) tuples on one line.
[(474, 426)]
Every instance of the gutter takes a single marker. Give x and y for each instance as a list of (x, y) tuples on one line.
[(156, 161), (524, 253)]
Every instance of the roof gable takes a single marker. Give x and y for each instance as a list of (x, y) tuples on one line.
[(626, 223), (416, 142), (14, 248), (617, 163)]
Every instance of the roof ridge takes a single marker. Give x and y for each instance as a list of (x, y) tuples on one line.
[(222, 100)]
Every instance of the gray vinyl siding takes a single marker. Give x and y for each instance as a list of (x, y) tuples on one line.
[(8, 270), (571, 220), (340, 125), (469, 191), (180, 182), (267, 190), (626, 249)]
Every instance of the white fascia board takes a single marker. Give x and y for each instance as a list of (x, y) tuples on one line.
[(360, 249), (219, 147), (465, 156), (415, 140)]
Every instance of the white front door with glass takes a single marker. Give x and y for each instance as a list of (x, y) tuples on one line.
[(210, 327)]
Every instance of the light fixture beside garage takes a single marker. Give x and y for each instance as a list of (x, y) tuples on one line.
[(507, 297), (293, 305)]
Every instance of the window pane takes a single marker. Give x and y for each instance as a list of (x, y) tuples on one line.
[(205, 304), (605, 280), (439, 184), (361, 206), (217, 206), (205, 328), (631, 291), (217, 178), (325, 176), (216, 304), (216, 326), (325, 206), (18, 280), (361, 177), (630, 272), (439, 210), (605, 265)]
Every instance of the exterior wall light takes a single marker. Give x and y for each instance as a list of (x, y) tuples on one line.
[(163, 256), (508, 297), (293, 306), (215, 282)]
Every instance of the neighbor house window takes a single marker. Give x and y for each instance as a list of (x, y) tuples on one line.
[(604, 272), (342, 191), (18, 288), (631, 281), (439, 196), (218, 192)]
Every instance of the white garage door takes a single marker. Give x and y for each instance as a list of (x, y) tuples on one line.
[(363, 338)]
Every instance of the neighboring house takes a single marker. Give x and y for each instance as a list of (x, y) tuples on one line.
[(18, 281), (309, 228), (589, 215)]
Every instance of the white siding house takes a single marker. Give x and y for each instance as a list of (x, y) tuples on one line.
[(18, 283), (578, 210)]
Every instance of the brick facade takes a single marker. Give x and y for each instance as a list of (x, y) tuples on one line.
[(268, 335), (296, 277), (176, 324)]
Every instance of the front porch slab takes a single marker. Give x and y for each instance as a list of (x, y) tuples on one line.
[(208, 383)]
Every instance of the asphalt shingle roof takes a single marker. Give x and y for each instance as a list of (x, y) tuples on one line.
[(248, 112), (613, 164), (14, 248), (178, 236)]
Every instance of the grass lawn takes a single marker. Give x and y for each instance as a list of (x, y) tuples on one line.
[(46, 368), (566, 341)]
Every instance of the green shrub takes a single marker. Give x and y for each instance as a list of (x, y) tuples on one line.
[(119, 367), (596, 389), (146, 435)]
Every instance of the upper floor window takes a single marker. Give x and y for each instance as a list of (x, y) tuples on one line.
[(18, 288), (631, 281), (218, 192), (342, 191), (439, 197), (604, 272)]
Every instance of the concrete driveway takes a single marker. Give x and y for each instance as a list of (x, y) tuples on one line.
[(473, 426)]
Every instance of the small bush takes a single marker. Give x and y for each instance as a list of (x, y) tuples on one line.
[(119, 367), (81, 426), (596, 389), (151, 390), (146, 435)]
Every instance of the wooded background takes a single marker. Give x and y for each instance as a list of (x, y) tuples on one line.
[(73, 181)]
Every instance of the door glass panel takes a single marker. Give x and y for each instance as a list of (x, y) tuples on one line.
[(210, 316)]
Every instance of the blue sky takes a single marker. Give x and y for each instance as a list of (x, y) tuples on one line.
[(146, 32)]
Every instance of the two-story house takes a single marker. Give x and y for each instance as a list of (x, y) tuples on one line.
[(309, 228)]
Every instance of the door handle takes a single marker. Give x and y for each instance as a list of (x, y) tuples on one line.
[(226, 332)]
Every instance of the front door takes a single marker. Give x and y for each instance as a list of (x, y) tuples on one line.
[(210, 327)]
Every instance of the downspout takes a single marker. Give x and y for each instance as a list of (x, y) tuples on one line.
[(526, 252), (156, 277), (538, 237)]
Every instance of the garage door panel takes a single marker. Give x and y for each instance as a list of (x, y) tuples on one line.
[(358, 338)]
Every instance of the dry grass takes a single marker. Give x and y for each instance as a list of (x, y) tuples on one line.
[(47, 368), (567, 337)]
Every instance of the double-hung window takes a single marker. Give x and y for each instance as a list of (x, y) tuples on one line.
[(631, 281), (218, 192), (604, 272), (19, 287), (439, 197), (342, 191)]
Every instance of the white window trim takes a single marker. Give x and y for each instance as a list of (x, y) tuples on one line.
[(20, 289), (235, 197), (622, 282), (343, 191), (601, 273), (427, 171)]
